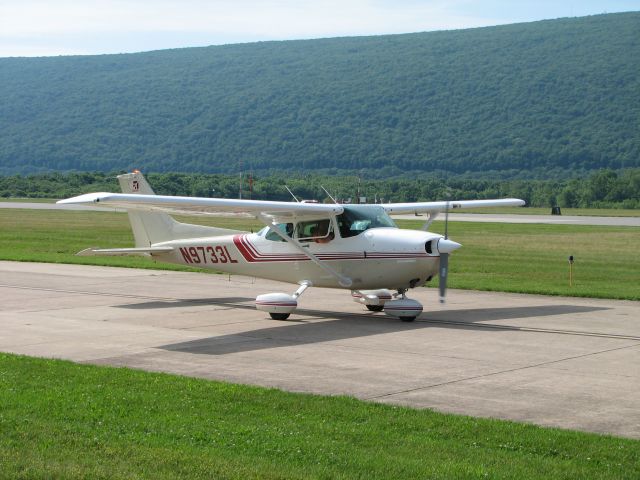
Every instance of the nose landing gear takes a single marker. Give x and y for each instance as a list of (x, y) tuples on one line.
[(374, 300)]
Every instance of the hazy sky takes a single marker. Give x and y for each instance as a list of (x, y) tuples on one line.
[(64, 27)]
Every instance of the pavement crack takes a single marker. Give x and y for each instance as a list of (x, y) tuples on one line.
[(530, 329), (490, 374)]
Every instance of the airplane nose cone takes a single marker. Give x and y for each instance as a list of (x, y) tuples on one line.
[(447, 246)]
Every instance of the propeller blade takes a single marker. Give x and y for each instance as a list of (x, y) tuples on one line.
[(444, 247), (444, 271)]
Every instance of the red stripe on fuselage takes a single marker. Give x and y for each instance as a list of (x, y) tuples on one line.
[(251, 254)]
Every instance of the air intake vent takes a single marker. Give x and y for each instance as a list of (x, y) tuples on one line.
[(427, 247)]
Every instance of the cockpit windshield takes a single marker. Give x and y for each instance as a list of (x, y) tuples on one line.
[(357, 218)]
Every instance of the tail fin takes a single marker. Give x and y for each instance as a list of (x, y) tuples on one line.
[(148, 228), (151, 228)]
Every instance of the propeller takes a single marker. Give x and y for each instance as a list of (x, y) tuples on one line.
[(444, 258), (445, 247)]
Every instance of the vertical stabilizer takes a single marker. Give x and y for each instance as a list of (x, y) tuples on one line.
[(148, 228), (151, 228)]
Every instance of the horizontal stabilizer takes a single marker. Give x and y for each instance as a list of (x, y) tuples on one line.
[(114, 252)]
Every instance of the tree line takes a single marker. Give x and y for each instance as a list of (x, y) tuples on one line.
[(602, 189)]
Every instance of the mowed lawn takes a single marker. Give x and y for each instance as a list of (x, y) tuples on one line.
[(534, 258), (501, 257), (64, 420), (56, 236)]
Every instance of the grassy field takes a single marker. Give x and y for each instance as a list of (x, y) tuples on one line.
[(530, 258), (28, 200), (500, 257), (56, 236), (63, 420)]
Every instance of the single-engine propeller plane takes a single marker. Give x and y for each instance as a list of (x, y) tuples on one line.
[(353, 247)]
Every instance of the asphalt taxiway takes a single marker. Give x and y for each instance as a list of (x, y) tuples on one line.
[(556, 361)]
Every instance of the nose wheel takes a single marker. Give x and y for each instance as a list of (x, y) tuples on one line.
[(373, 300)]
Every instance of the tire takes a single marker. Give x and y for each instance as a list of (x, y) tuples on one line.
[(375, 308), (407, 319), (279, 316)]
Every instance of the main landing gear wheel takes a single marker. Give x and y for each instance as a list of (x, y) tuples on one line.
[(375, 308), (279, 316), (403, 308)]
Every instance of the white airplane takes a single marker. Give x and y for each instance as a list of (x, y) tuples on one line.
[(354, 247)]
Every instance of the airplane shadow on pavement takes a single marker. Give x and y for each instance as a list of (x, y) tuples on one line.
[(344, 325)]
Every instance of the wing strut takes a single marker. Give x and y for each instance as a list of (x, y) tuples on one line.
[(342, 280), (430, 218)]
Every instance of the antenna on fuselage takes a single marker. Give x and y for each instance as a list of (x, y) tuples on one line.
[(294, 197), (330, 196)]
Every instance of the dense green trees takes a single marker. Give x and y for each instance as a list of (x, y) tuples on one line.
[(604, 188), (546, 99)]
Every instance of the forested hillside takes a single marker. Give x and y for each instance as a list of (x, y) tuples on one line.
[(544, 98)]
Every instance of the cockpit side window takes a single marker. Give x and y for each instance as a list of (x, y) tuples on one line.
[(286, 228)]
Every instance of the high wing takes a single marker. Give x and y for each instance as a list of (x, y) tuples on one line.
[(205, 206), (284, 210), (432, 207)]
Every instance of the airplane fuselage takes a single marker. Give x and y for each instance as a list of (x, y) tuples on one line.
[(377, 258)]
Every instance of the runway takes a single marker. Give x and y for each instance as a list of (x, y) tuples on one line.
[(454, 217), (555, 361)]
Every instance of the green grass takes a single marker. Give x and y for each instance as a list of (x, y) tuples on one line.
[(63, 420), (527, 258), (501, 257), (55, 236), (28, 200)]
